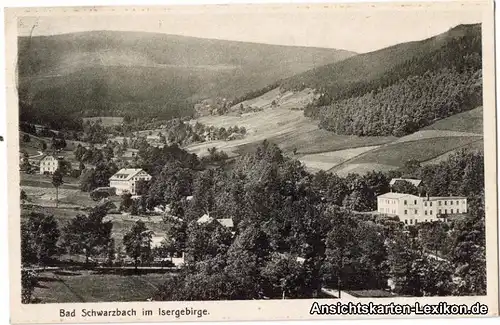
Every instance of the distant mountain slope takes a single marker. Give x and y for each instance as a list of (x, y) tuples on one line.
[(147, 74), (429, 85), (344, 79)]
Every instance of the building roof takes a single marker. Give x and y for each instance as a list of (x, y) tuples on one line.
[(204, 219), (228, 222), (433, 198), (125, 174), (392, 195), (47, 156), (156, 241), (415, 182)]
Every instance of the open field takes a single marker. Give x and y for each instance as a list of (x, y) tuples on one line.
[(41, 180), (394, 155), (288, 129), (361, 169), (475, 146), (285, 100), (90, 286), (430, 134), (328, 160), (469, 121)]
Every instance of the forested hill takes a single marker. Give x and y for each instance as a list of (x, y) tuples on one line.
[(106, 73), (399, 89)]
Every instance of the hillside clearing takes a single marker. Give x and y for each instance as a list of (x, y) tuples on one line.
[(289, 129), (397, 153), (328, 160), (476, 145), (105, 120), (429, 134)]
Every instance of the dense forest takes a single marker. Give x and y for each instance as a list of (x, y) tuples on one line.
[(396, 90), (406, 106)]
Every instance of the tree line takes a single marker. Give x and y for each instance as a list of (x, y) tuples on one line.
[(405, 106)]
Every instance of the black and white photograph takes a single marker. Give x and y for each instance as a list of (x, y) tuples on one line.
[(255, 154)]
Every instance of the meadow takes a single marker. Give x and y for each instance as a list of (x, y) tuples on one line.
[(93, 286)]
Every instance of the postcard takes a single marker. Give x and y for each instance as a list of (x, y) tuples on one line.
[(251, 162)]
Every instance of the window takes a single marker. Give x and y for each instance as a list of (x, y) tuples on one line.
[(415, 202), (451, 211), (425, 212), (439, 203), (406, 221), (406, 212), (457, 202), (405, 202), (458, 210), (445, 202), (430, 203), (445, 211), (439, 211), (451, 202), (411, 221), (425, 220), (430, 212), (416, 211)]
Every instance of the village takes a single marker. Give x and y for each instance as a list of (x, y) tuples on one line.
[(53, 181)]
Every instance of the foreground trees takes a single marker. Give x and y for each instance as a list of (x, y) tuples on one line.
[(57, 181), (39, 237), (291, 237), (137, 242)]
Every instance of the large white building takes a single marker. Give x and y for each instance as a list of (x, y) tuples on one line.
[(49, 164), (125, 180), (412, 209)]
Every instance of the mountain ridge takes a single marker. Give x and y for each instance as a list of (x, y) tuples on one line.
[(84, 72)]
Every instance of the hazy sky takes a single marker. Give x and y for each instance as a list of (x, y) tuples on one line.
[(350, 29)]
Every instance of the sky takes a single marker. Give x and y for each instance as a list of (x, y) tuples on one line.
[(350, 29)]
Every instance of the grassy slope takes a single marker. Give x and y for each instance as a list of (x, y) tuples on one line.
[(398, 153), (110, 71), (470, 121), (88, 286), (289, 129)]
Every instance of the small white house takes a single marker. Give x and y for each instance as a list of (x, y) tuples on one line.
[(48, 164), (125, 180)]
